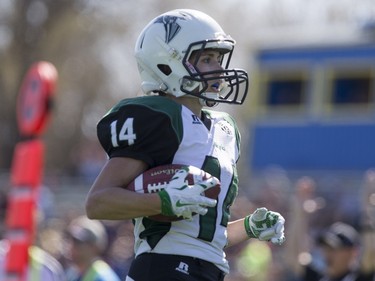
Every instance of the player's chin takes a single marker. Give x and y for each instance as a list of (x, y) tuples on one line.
[(210, 102)]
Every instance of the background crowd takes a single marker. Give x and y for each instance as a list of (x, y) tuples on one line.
[(308, 208)]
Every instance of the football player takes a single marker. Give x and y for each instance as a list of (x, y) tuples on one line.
[(183, 59)]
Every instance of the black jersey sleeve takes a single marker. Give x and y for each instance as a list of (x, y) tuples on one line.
[(144, 129)]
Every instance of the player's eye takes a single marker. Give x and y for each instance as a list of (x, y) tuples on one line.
[(207, 60)]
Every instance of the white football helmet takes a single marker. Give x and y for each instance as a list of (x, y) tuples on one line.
[(163, 50)]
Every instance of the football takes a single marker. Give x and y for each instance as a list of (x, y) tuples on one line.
[(157, 178)]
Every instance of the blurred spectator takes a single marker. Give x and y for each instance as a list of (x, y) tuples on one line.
[(50, 237), (88, 241), (368, 222), (339, 256), (340, 244), (120, 253), (42, 266)]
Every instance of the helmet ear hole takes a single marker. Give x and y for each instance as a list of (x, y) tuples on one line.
[(165, 69)]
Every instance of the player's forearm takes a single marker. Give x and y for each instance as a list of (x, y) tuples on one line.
[(117, 204), (236, 232)]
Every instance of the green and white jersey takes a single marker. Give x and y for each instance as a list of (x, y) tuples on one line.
[(160, 131)]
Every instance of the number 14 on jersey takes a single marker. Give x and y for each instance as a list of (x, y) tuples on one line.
[(126, 132)]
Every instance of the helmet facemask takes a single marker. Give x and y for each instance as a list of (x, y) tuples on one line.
[(231, 84)]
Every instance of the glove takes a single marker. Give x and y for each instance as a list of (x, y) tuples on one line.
[(266, 226), (180, 199)]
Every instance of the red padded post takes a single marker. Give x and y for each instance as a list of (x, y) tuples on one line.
[(33, 113), (27, 164)]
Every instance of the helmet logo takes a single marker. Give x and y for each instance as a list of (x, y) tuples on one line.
[(170, 25)]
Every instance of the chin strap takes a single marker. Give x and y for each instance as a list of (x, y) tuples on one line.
[(208, 103)]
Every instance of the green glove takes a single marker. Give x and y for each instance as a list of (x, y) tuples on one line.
[(265, 225), (182, 200)]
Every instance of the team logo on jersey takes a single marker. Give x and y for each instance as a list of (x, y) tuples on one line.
[(225, 127), (183, 267), (170, 25), (196, 119)]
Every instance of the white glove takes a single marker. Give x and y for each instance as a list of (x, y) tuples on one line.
[(266, 226), (180, 199)]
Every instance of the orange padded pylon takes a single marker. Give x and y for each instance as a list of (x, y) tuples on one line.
[(27, 163)]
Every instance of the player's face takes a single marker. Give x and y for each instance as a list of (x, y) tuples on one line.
[(338, 261), (207, 61), (80, 252)]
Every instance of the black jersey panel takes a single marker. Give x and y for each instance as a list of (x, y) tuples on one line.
[(144, 128), (159, 104)]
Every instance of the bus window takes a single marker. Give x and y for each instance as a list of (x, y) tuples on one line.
[(351, 90), (287, 92)]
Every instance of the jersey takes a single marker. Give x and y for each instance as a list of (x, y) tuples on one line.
[(160, 131)]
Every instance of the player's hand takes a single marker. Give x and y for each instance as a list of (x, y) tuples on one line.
[(266, 226), (183, 200)]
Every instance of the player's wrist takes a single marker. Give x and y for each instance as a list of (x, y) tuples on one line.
[(166, 203), (247, 227)]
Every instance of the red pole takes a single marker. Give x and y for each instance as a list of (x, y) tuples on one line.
[(33, 112)]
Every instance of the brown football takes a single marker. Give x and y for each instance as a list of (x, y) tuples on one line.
[(157, 178)]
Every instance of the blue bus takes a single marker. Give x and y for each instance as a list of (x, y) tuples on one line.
[(313, 108)]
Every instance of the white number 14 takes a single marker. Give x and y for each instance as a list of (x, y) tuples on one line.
[(126, 132)]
